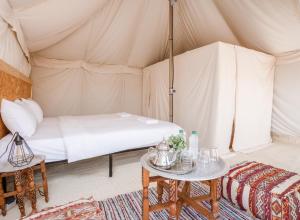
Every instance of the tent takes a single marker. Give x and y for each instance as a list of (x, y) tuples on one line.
[(87, 57)]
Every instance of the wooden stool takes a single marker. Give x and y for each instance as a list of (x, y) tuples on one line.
[(25, 184)]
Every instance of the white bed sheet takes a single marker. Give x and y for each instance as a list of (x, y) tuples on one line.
[(76, 138), (96, 135), (48, 140)]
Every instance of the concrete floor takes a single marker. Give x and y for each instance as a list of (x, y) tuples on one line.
[(68, 182)]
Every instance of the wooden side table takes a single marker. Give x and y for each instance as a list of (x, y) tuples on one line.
[(179, 189), (24, 183)]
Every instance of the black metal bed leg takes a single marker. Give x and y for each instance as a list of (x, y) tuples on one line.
[(110, 164)]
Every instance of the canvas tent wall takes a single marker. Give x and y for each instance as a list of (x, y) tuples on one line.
[(86, 88), (216, 85), (286, 114), (10, 50), (133, 33)]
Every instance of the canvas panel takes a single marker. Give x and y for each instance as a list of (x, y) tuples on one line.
[(204, 101), (8, 15), (155, 91), (204, 98), (10, 50), (82, 88), (254, 98), (286, 115)]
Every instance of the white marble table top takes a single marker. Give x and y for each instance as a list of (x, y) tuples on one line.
[(6, 167), (200, 173)]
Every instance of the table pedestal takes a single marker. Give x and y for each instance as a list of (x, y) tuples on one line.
[(195, 202), (25, 185), (178, 198), (26, 175)]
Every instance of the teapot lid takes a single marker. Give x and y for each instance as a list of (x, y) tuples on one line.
[(163, 145)]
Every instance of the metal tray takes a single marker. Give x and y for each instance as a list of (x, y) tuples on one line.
[(175, 169)]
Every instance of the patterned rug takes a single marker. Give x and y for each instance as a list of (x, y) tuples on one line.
[(129, 207), (82, 209)]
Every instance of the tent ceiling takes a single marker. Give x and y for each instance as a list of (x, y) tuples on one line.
[(134, 32)]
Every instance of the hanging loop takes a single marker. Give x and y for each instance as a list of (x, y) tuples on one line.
[(172, 91)]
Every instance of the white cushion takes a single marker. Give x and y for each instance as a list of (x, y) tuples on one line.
[(17, 118), (35, 108), (27, 108)]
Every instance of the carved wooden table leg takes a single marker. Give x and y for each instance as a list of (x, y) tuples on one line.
[(20, 192), (2, 200), (146, 204), (31, 187), (188, 189), (160, 190), (214, 197), (173, 199), (45, 183)]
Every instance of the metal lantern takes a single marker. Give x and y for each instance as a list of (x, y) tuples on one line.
[(20, 153)]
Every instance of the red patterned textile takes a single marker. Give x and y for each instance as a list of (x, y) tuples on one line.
[(83, 209), (264, 191)]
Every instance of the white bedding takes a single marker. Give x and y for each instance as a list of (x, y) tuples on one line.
[(47, 141), (96, 135), (75, 138)]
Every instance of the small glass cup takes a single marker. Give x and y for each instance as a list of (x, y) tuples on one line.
[(204, 156), (214, 154), (186, 160)]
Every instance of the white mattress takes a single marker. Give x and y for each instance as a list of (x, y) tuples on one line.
[(75, 138), (96, 135)]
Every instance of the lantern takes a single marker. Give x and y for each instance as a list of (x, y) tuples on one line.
[(20, 153)]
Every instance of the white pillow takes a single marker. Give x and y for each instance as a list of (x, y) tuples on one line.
[(26, 107), (17, 119), (35, 108)]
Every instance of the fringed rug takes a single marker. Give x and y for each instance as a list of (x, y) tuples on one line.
[(129, 207)]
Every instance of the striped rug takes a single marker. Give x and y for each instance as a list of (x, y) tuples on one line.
[(129, 207)]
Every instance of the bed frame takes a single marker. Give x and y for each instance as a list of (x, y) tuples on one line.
[(110, 157), (14, 85)]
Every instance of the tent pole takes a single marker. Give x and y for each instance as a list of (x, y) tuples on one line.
[(171, 60)]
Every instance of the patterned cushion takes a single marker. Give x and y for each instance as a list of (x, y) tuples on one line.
[(82, 209), (264, 191)]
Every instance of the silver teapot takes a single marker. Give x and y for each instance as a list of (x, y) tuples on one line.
[(163, 156)]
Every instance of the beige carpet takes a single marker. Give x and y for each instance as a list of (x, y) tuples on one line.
[(69, 182)]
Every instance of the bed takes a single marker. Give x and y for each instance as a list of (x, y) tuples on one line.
[(75, 138)]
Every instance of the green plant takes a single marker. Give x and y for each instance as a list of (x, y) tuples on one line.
[(177, 142)]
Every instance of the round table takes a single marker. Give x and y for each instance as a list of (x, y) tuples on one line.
[(208, 174)]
